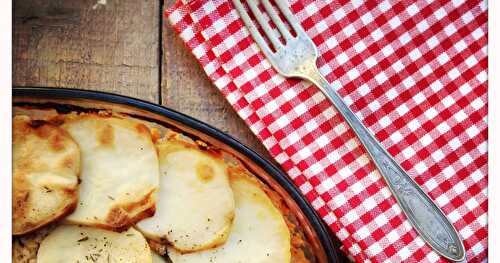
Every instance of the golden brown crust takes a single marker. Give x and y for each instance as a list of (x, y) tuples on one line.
[(159, 247), (106, 136), (119, 218), (143, 129), (204, 172), (42, 150)]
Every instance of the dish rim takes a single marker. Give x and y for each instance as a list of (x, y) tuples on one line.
[(276, 173)]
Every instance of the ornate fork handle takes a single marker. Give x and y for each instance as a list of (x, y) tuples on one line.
[(426, 217)]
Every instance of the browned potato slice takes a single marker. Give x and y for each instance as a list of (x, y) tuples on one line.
[(46, 164), (120, 173), (195, 205)]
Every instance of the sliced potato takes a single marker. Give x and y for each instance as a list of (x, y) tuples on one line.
[(259, 233), (120, 173), (46, 165), (195, 207), (70, 243)]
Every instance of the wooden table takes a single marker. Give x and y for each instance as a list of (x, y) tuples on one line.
[(122, 46)]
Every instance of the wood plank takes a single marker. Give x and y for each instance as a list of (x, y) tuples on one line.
[(82, 44), (186, 88)]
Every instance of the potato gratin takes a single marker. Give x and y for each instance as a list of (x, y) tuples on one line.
[(106, 187)]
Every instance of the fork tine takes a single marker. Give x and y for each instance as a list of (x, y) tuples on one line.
[(271, 35), (283, 6), (277, 20), (252, 28)]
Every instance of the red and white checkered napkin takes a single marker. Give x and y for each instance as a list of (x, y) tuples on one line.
[(415, 72)]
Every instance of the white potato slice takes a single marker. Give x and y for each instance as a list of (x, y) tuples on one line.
[(195, 206), (120, 173), (259, 233), (46, 165), (70, 243)]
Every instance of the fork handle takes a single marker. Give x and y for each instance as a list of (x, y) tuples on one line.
[(421, 211)]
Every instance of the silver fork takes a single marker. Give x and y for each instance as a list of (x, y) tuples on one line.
[(296, 57)]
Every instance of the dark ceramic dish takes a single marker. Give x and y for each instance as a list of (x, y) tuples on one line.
[(70, 99)]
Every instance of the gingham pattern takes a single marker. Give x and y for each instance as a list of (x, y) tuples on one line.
[(415, 72)]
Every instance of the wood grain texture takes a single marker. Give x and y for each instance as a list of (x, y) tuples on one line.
[(186, 88), (112, 47)]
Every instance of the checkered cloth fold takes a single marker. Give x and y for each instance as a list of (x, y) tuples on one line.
[(415, 72)]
